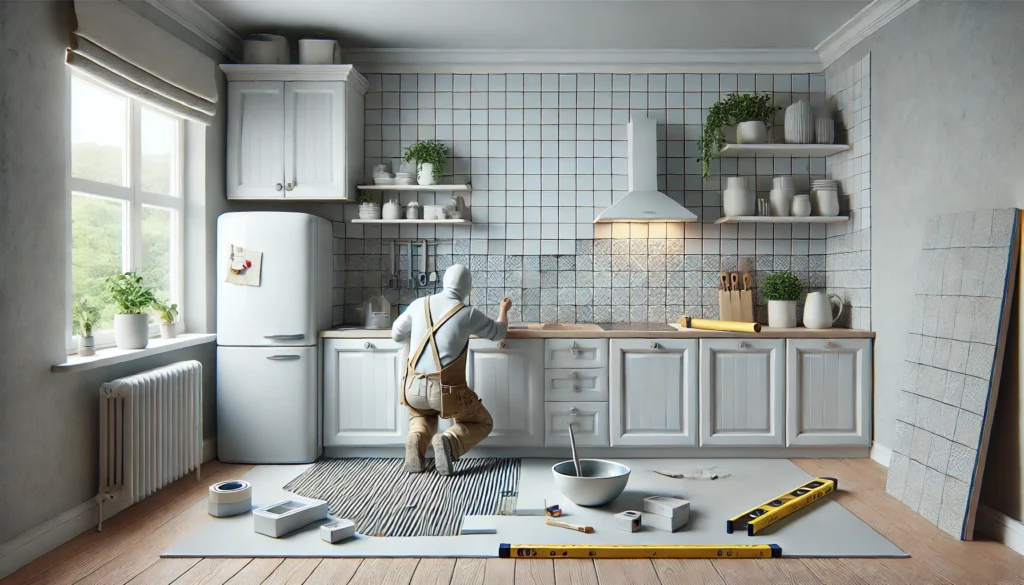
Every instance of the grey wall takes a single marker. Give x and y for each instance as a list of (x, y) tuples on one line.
[(48, 421), (947, 136)]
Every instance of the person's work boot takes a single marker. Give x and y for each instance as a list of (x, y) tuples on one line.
[(443, 460), (414, 462)]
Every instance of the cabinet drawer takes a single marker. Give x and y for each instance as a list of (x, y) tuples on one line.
[(575, 385), (589, 419), (575, 353)]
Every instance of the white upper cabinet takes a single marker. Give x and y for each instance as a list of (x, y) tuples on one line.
[(362, 381), (653, 391), (828, 392), (742, 397), (294, 132), (508, 376)]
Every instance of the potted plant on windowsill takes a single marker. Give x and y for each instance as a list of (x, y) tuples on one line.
[(750, 114), (85, 317), (131, 300), (430, 161), (168, 314), (783, 290)]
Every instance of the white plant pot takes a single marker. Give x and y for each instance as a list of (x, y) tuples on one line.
[(131, 331), (782, 313), (781, 200), (751, 133), (369, 211), (86, 346), (738, 202), (167, 331), (425, 174)]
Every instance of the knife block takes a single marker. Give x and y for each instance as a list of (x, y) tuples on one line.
[(736, 305)]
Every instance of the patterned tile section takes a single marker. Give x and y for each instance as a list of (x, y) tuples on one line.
[(951, 349), (848, 247)]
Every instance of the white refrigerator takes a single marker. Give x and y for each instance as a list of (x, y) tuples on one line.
[(268, 370)]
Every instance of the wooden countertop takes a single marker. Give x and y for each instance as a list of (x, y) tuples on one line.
[(590, 333)]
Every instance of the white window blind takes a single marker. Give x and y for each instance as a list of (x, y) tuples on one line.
[(122, 48)]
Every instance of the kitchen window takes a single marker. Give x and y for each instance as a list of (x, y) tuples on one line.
[(126, 199)]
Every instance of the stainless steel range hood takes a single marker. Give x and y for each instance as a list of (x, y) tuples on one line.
[(643, 202)]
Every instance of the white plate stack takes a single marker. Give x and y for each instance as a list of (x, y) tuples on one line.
[(405, 178), (381, 176)]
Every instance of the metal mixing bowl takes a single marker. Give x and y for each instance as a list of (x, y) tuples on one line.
[(601, 482)]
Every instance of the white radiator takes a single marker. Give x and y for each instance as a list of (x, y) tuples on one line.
[(151, 433)]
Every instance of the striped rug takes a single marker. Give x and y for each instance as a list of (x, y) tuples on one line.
[(383, 500)]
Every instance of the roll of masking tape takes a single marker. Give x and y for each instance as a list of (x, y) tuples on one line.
[(230, 492)]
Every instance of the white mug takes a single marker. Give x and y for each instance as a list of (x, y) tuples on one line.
[(319, 52)]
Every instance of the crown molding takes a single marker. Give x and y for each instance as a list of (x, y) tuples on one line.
[(871, 18), (204, 25), (583, 61)]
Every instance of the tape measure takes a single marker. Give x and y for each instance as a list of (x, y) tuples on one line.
[(640, 551), (769, 512)]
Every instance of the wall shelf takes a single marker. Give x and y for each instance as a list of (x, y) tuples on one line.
[(778, 219), (460, 188), (751, 150), (415, 221)]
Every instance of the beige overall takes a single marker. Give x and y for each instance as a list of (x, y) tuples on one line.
[(444, 393)]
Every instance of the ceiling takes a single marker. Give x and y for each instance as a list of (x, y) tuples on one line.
[(545, 24)]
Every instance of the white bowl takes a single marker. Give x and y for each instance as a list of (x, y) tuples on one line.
[(383, 181), (602, 481)]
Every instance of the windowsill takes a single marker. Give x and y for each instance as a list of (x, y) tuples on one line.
[(112, 355)]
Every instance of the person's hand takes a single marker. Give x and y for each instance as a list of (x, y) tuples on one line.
[(506, 304)]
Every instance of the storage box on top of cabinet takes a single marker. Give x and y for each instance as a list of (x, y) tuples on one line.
[(294, 131)]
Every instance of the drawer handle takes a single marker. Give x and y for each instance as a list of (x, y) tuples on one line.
[(575, 387), (742, 345), (283, 358), (575, 350), (573, 411), (575, 375), (654, 345), (367, 345), (830, 345), (284, 336), (501, 345)]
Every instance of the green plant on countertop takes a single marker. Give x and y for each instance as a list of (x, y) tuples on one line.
[(365, 197), (782, 286), (129, 295), (430, 151), (84, 316), (735, 108), (168, 312)]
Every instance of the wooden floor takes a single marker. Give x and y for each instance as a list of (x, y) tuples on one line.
[(128, 551)]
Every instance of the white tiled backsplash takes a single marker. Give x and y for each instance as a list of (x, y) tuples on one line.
[(545, 153)]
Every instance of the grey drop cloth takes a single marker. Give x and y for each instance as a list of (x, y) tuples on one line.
[(824, 529)]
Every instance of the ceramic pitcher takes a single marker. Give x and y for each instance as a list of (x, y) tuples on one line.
[(818, 310)]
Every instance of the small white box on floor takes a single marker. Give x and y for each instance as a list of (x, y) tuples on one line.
[(337, 531), (281, 518), (666, 513)]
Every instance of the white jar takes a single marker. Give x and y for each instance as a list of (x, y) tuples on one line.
[(392, 210), (412, 211), (781, 200), (801, 206), (799, 125), (827, 203)]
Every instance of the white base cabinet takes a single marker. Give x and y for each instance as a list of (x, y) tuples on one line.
[(653, 392), (508, 376), (362, 381), (742, 396), (828, 392)]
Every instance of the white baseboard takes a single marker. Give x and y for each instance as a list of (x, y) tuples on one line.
[(880, 453), (209, 449), (1001, 528), (28, 546)]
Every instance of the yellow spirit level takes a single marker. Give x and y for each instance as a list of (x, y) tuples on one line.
[(640, 551), (769, 512)]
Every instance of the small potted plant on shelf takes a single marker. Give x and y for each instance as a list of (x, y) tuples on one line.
[(85, 317), (368, 208), (168, 315), (131, 300), (430, 161), (783, 290), (750, 114)]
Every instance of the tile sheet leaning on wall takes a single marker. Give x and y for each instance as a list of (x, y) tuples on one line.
[(545, 154)]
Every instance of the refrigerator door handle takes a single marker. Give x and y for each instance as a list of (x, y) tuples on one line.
[(285, 336), (283, 357)]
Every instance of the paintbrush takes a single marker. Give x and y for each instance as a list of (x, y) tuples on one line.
[(570, 526)]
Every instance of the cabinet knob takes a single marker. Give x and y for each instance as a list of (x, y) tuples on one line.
[(278, 187), (573, 411), (501, 345), (654, 345), (742, 345), (289, 187), (575, 350), (575, 387), (830, 345), (575, 375), (367, 345)]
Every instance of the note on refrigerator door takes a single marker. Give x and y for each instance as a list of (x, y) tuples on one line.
[(244, 267)]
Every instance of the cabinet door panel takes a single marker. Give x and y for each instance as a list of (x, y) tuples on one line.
[(314, 129), (362, 381), (589, 420), (255, 165), (653, 392), (741, 392), (508, 378), (828, 392)]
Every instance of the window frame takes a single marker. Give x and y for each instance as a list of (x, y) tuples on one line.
[(135, 199)]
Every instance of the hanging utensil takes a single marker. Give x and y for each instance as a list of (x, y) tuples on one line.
[(393, 277), (411, 280), (423, 264), (575, 458)]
